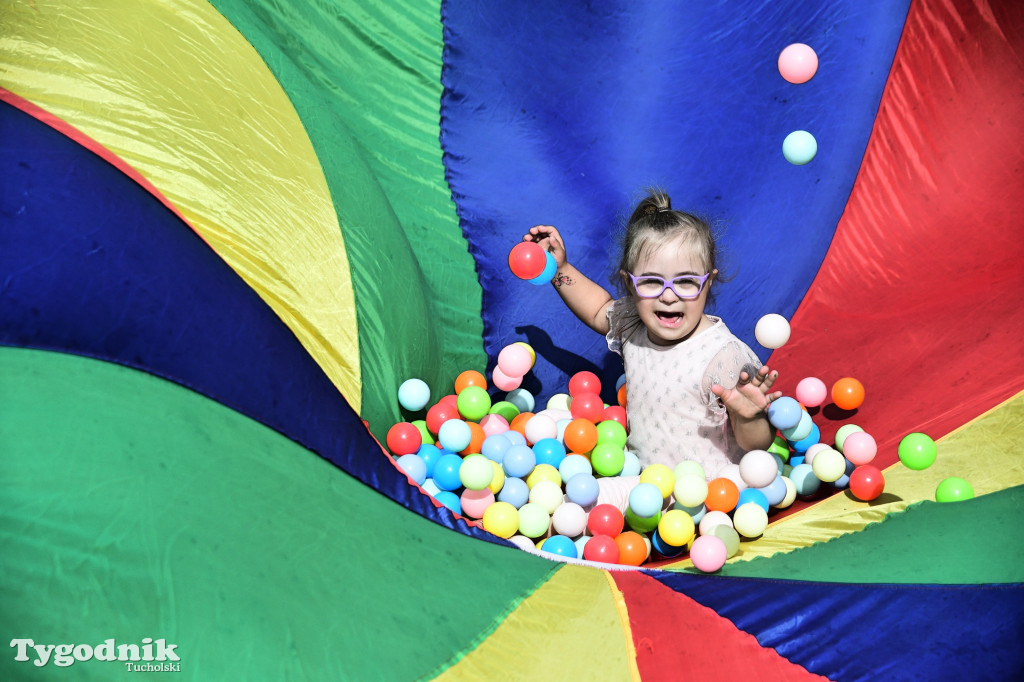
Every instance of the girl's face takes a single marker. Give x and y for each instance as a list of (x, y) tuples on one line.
[(668, 318)]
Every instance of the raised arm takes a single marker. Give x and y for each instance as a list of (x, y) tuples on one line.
[(587, 300)]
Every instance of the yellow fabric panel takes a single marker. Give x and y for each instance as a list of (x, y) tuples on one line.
[(984, 452), (569, 627), (173, 90)]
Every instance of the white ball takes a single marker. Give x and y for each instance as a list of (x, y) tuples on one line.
[(758, 468), (772, 331), (732, 472), (569, 519), (539, 427), (712, 519)]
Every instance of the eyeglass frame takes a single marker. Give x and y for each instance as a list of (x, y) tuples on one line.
[(670, 284)]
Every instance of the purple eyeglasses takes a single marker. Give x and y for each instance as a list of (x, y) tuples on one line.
[(653, 286)]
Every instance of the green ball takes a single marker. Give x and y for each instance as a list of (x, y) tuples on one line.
[(642, 524), (917, 451), (688, 466), (779, 447), (611, 431), (476, 472), (729, 536), (473, 403), (953, 489), (425, 434), (608, 459), (505, 409), (533, 520)]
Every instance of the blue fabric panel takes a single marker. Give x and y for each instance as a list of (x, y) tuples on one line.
[(559, 113), (872, 632), (92, 264)]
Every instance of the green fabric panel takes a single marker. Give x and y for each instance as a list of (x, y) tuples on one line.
[(132, 507), (365, 79), (977, 541)]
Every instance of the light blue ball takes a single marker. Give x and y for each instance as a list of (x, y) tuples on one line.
[(454, 435), (519, 461), (515, 437), (549, 451), (632, 466), (571, 466), (785, 413), (548, 274), (413, 394), (446, 472), (430, 488), (804, 480), (843, 481), (522, 399), (697, 513), (581, 542), (582, 489), (645, 500), (618, 382), (754, 495), (450, 500), (515, 492), (560, 545), (775, 492), (414, 467), (495, 446), (800, 431), (799, 147)]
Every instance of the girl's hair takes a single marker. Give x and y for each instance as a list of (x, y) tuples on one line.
[(654, 224)]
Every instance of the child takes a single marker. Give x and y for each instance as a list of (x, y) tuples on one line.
[(694, 391)]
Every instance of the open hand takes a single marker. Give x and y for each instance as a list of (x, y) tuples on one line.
[(752, 395)]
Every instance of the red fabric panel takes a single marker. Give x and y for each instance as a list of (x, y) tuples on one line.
[(920, 295), (678, 639)]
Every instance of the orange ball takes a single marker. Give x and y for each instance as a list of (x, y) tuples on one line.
[(848, 393), (470, 377), (518, 422), (621, 396), (632, 548), (723, 495), (476, 439), (580, 435)]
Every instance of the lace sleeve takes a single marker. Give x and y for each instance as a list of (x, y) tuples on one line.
[(623, 320), (724, 369)]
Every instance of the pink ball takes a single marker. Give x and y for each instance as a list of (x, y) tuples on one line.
[(709, 553), (798, 63), (811, 392), (476, 502), (504, 382), (860, 447), (493, 423), (515, 360)]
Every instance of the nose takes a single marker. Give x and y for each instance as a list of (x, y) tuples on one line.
[(669, 295)]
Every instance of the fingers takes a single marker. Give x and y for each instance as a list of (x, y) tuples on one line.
[(539, 233)]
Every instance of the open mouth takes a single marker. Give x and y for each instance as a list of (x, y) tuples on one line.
[(669, 319)]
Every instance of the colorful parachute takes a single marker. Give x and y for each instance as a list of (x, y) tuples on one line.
[(230, 229)]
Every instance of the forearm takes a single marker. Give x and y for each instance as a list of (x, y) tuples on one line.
[(752, 433), (585, 298)]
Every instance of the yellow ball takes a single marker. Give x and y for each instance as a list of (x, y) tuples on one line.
[(559, 401), (499, 478), (689, 466), (501, 519), (676, 527), (543, 472), (750, 519), (690, 490), (661, 476), (533, 353), (828, 465)]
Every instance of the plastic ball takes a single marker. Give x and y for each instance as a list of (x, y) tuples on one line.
[(799, 147), (522, 542), (630, 464), (430, 454), (785, 413), (917, 451), (953, 489), (848, 393), (690, 490), (584, 382), (581, 543), (404, 439), (515, 437), (519, 423), (580, 436), (689, 466), (860, 447), (612, 431), (790, 497), (476, 502), (498, 478), (663, 548), (544, 472), (614, 413), (540, 427), (547, 494), (722, 495), (660, 476), (469, 377), (708, 553), (560, 545), (620, 396), (476, 472), (645, 499), (775, 492), (529, 349), (676, 527), (632, 548), (501, 519), (515, 492), (559, 401), (802, 429), (548, 451), (866, 482), (780, 447), (588, 406), (641, 524), (798, 63), (811, 391), (446, 472), (573, 464), (582, 489), (758, 468), (534, 520), (812, 451), (504, 382), (514, 360), (413, 394), (607, 459), (729, 536), (602, 549), (527, 260), (569, 519), (755, 496), (505, 410), (807, 441), (438, 414), (476, 439), (750, 520), (414, 467), (844, 480), (828, 465), (495, 446), (549, 271), (425, 434), (519, 461), (522, 399), (450, 500), (454, 435), (493, 424), (804, 480), (714, 518), (772, 331), (605, 519)]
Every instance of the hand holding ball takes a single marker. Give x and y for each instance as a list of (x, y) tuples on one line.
[(527, 260)]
